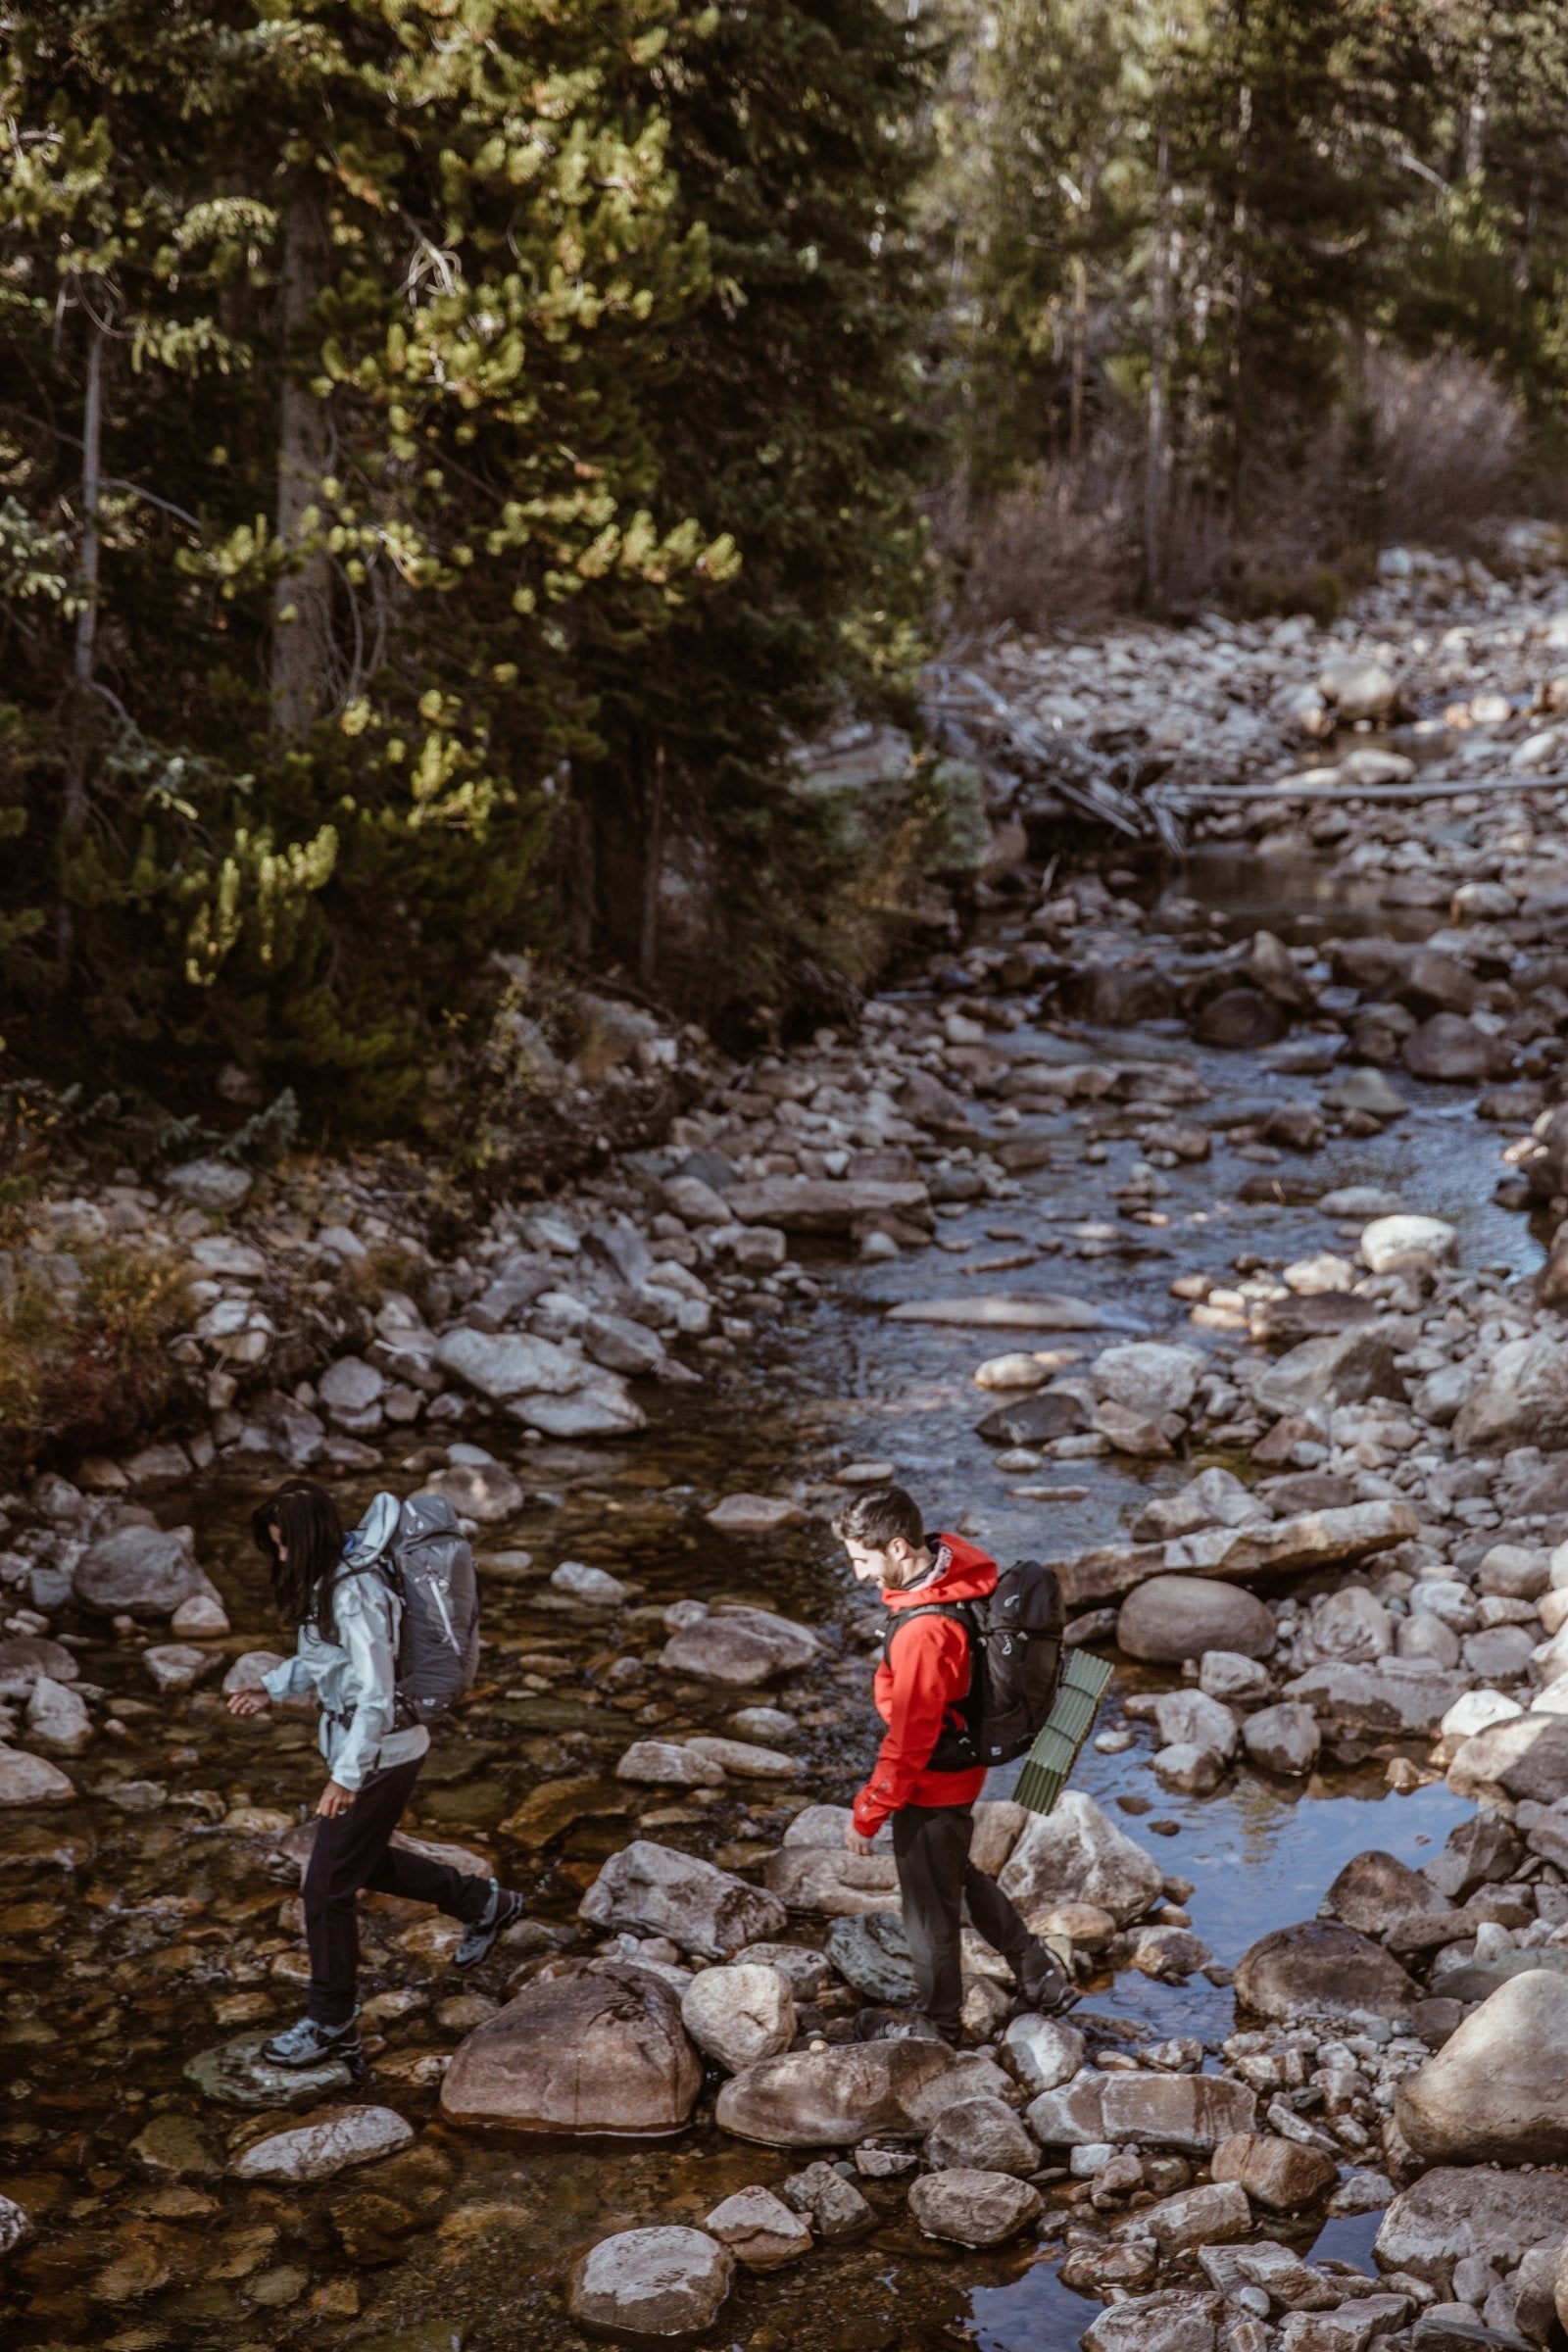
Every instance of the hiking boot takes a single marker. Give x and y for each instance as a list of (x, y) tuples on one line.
[(1042, 1988), (500, 1912), (895, 2025), (307, 2042)]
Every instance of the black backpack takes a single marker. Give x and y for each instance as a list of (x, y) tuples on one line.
[(1014, 1665), (430, 1568)]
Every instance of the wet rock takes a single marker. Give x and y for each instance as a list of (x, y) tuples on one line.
[(660, 2281), (1174, 2320), (23, 1657), (175, 2146), (1374, 1887), (740, 2014), (1214, 1498), (1191, 1718), (972, 2208), (981, 2135), (1225, 1675), (58, 1717), (1190, 2114), (1370, 1092), (1284, 1739), (1040, 1311), (764, 1725), (1239, 1020), (1349, 1624), (1497, 2093), (1280, 2175), (755, 1515), (1319, 1965), (1358, 689), (818, 1205), (28, 1780), (746, 1760), (1077, 1854), (834, 2206), (485, 1492), (759, 2229), (200, 1619), (1170, 1618), (236, 2075), (1206, 2216), (739, 1646), (602, 1407), (1344, 1367), (596, 2047), (1453, 2212), (138, 1572), (1521, 1398), (830, 1880), (665, 1892), (595, 1586), (835, 2097), (1041, 2052), (872, 1952), (1034, 1420), (178, 1665), (661, 1764), (324, 2145), (15, 2227), (1453, 1051)]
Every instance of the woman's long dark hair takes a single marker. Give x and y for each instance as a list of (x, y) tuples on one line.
[(307, 1519)]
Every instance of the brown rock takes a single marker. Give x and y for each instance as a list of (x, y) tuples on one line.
[(1374, 1889), (597, 2046), (1319, 1965), (1280, 2174)]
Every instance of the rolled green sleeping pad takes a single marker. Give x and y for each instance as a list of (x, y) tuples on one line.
[(1084, 1679)]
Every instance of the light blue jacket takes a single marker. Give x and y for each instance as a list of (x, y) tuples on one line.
[(354, 1678)]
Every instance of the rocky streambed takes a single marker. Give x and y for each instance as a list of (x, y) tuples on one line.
[(1143, 1236)]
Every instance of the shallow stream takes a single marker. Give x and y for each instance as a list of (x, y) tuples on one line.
[(135, 1933)]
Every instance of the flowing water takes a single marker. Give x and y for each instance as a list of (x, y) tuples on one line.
[(131, 1938)]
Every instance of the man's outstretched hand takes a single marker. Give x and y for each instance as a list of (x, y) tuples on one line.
[(855, 1842)]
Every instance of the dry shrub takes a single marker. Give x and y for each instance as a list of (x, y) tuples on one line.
[(92, 1367), (1060, 546), (1451, 448)]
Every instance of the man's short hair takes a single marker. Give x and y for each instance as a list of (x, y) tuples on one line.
[(877, 1517)]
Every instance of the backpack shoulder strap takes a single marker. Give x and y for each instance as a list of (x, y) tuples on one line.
[(959, 1611)]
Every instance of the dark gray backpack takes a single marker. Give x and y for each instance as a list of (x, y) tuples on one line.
[(430, 1568)]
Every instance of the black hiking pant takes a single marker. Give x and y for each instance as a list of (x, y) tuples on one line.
[(936, 1880), (355, 1849)]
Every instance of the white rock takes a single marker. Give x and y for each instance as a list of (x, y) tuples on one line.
[(755, 1515), (660, 2281), (1041, 2052), (28, 1780), (503, 1365), (1150, 1377), (662, 1764), (1475, 1711), (740, 2014), (201, 1615), (176, 1665), (759, 2229), (1389, 1238), (745, 1761), (57, 1716), (593, 1585), (1075, 1855), (327, 2144)]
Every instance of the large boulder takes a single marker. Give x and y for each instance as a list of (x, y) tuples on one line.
[(29, 1779), (504, 1365), (1280, 2174), (1319, 1965), (1172, 1618), (1520, 1399), (1076, 1854), (831, 1882), (1150, 1377), (137, 1572), (738, 1646), (1400, 1697), (972, 2208), (1455, 2211), (665, 1892), (1284, 1739), (739, 2015), (1375, 1887), (832, 2098), (596, 2047), (660, 2281), (1525, 1757), (1497, 2093), (1173, 2321)]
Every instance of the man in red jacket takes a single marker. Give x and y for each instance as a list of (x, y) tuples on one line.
[(925, 1780)]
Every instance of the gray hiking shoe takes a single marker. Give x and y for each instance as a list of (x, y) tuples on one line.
[(478, 1938), (309, 2043)]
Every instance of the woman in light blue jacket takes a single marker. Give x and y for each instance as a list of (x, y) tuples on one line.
[(340, 1593)]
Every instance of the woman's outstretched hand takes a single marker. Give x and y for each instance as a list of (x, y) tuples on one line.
[(334, 1800), (247, 1703)]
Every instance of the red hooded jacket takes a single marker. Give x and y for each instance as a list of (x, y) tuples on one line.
[(917, 1695)]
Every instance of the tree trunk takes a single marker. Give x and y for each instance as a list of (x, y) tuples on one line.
[(92, 438), (1080, 318), (301, 600), (1156, 452), (652, 875)]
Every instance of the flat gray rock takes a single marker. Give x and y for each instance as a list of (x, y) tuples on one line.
[(236, 2075), (872, 1952)]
